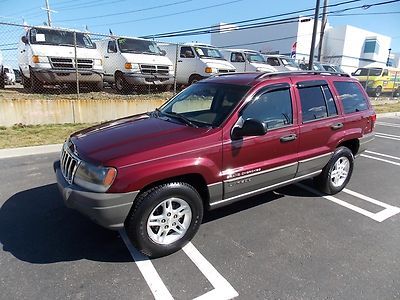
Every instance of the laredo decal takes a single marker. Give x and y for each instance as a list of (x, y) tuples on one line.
[(230, 176), (246, 180)]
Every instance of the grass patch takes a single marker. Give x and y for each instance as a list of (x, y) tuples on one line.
[(387, 107), (33, 135)]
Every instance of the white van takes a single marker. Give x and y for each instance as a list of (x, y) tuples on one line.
[(130, 62), (2, 83), (247, 60), (47, 57), (196, 61), (9, 75), (281, 63)]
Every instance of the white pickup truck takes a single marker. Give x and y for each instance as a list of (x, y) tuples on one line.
[(247, 60), (47, 57), (134, 62), (196, 61)]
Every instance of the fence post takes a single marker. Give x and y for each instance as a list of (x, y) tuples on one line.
[(76, 67), (366, 82), (394, 84), (176, 66)]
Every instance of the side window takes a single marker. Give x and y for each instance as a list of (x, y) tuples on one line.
[(352, 97), (385, 73), (237, 57), (273, 108), (186, 52), (316, 103), (273, 61), (112, 47)]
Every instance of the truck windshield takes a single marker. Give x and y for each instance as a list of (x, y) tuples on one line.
[(60, 38), (204, 104), (206, 52), (255, 57), (368, 72), (289, 62), (138, 46)]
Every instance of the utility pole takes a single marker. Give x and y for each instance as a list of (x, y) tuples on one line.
[(48, 10), (314, 36), (323, 25)]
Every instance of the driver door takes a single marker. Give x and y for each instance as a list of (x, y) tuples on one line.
[(252, 164)]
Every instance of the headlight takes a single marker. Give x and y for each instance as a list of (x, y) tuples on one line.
[(98, 62), (94, 178), (39, 59), (132, 66), (211, 70)]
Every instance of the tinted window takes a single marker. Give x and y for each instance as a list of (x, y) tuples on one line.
[(273, 108), (237, 57), (187, 52), (352, 97), (272, 61), (112, 47), (316, 102)]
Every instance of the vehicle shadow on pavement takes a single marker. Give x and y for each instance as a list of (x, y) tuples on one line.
[(36, 227)]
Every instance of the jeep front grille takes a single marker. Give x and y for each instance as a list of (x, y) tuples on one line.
[(69, 163), (154, 69)]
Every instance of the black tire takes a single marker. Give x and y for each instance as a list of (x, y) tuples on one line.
[(36, 85), (397, 93), (324, 181), (2, 83), (120, 83), (194, 78), (136, 223), (26, 82), (378, 91)]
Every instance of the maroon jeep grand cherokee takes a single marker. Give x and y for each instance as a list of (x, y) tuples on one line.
[(218, 141)]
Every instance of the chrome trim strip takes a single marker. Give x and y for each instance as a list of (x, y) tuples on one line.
[(266, 188), (259, 173), (315, 157)]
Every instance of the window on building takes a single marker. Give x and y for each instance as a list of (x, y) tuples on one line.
[(273, 108), (371, 46), (352, 97)]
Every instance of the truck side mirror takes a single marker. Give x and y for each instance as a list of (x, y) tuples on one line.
[(163, 53), (250, 127), (24, 39), (352, 74)]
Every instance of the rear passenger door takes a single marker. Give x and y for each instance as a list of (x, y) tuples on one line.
[(321, 125)]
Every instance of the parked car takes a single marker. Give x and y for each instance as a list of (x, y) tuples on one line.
[(316, 66), (17, 75), (378, 80), (247, 60), (133, 62), (2, 81), (9, 76), (281, 62), (196, 62), (47, 57), (332, 68), (219, 141)]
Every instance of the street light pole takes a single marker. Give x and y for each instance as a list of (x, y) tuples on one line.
[(323, 25), (314, 36), (388, 59)]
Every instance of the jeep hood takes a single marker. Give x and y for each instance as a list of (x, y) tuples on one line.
[(108, 142)]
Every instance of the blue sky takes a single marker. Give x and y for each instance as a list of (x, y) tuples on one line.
[(178, 15)]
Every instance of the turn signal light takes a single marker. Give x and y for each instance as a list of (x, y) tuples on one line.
[(35, 59), (208, 70), (128, 66)]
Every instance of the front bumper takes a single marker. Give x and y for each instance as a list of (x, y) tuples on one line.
[(59, 76), (148, 79), (106, 209)]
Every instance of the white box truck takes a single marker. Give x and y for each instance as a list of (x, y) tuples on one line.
[(246, 60), (134, 62), (47, 57), (196, 61)]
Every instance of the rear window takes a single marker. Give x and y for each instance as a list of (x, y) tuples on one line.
[(352, 97), (316, 103)]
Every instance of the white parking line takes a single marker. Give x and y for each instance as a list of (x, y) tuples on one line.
[(384, 214), (381, 159), (390, 135), (381, 154), (387, 137), (222, 288), (148, 271), (388, 124)]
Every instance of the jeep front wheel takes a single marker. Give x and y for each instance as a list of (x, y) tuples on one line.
[(164, 219), (336, 174)]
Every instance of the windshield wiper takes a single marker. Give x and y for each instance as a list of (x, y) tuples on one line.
[(178, 116)]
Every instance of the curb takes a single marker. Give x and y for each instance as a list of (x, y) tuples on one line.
[(389, 114), (33, 150)]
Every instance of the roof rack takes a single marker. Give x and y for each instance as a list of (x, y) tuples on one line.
[(300, 72)]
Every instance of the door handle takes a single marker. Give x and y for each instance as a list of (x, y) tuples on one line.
[(106, 57), (288, 138), (337, 126), (179, 61)]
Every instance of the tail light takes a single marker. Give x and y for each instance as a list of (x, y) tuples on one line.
[(373, 120)]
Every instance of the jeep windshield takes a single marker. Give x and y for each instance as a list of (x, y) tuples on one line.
[(138, 46), (206, 52), (255, 58), (60, 38), (203, 104), (368, 72)]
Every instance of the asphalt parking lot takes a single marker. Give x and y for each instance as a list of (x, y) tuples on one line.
[(288, 244)]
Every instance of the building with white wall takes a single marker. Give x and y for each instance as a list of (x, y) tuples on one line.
[(348, 46)]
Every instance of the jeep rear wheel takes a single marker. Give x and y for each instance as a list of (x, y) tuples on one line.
[(337, 173), (163, 219)]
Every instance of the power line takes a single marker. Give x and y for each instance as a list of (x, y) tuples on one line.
[(367, 14), (128, 12)]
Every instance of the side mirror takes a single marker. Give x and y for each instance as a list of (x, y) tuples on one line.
[(163, 52), (250, 127), (24, 39), (353, 74)]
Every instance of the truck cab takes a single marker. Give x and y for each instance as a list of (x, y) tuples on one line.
[(247, 60), (47, 57), (194, 62), (133, 62)]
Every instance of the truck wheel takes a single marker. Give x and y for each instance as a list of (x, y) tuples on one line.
[(36, 85), (397, 93), (378, 91), (337, 172), (194, 78), (164, 218), (120, 83), (26, 82)]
